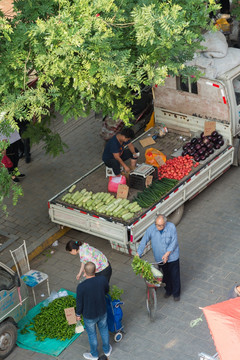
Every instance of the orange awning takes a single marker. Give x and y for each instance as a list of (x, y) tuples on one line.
[(224, 323)]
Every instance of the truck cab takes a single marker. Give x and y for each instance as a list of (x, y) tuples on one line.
[(187, 105), (14, 302)]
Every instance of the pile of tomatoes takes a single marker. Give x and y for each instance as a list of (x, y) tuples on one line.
[(177, 168)]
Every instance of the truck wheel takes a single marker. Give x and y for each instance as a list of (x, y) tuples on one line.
[(8, 338), (176, 216)]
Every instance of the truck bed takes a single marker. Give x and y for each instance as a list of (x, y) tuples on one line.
[(96, 181)]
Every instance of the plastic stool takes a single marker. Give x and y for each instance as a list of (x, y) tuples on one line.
[(109, 172)]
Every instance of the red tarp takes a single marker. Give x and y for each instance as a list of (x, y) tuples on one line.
[(224, 323)]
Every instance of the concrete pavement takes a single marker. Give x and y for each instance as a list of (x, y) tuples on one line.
[(209, 246), (46, 176)]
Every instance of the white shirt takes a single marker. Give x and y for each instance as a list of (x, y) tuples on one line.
[(12, 138)]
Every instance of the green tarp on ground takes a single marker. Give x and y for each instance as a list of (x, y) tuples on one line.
[(48, 346)]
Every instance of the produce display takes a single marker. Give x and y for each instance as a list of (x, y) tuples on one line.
[(154, 192), (198, 149), (201, 148), (176, 168), (51, 321), (146, 270), (102, 203)]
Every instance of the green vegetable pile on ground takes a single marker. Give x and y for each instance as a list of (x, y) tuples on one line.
[(51, 321), (154, 192), (102, 203), (143, 268)]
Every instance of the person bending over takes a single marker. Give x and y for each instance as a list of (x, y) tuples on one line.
[(89, 253)]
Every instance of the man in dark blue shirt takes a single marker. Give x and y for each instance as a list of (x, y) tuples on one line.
[(114, 155), (91, 304)]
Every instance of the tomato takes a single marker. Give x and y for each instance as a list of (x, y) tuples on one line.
[(176, 168)]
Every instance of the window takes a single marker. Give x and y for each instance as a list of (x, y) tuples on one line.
[(6, 280), (236, 86), (186, 84)]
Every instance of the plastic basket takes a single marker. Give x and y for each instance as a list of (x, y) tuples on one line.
[(158, 284)]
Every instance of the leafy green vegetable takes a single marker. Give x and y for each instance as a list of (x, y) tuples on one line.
[(115, 293), (51, 321), (143, 268)]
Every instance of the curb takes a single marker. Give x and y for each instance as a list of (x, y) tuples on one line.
[(45, 244)]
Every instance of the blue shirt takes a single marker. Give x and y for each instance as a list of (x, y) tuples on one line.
[(161, 241), (113, 147)]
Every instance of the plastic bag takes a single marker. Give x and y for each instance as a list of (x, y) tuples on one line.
[(54, 295), (215, 44), (223, 25), (156, 273), (79, 327), (150, 155), (7, 162)]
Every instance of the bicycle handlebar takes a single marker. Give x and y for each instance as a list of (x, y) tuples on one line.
[(158, 263)]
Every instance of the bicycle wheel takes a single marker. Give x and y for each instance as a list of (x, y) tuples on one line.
[(151, 300)]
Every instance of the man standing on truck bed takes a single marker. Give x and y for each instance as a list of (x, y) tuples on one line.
[(163, 236), (114, 155)]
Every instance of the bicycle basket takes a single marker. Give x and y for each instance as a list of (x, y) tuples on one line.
[(157, 282)]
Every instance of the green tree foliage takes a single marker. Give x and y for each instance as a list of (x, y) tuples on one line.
[(236, 9), (92, 55), (8, 189), (5, 28)]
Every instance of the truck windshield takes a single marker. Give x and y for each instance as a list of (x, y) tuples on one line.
[(6, 280)]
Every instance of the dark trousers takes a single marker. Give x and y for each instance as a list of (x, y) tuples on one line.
[(24, 144), (107, 272), (12, 153), (24, 147), (171, 277), (115, 165)]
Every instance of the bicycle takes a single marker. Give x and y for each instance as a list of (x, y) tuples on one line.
[(151, 296)]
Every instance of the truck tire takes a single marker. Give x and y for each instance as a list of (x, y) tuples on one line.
[(176, 216), (8, 338)]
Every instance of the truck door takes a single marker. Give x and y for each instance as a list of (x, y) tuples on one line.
[(236, 87), (10, 309), (9, 300)]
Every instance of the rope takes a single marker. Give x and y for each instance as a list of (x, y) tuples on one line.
[(196, 321)]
